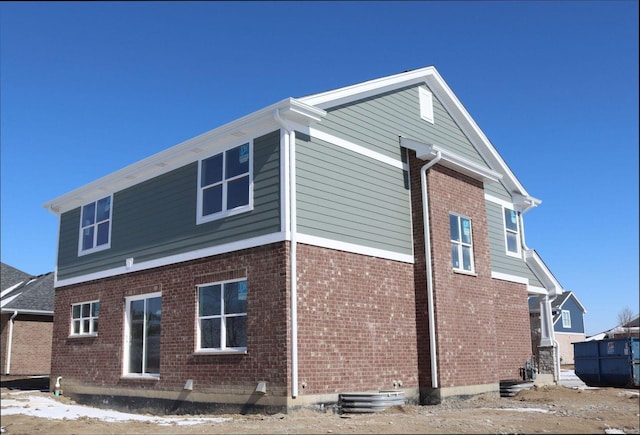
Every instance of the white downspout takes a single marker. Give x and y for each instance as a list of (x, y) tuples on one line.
[(427, 258), (291, 136), (9, 342)]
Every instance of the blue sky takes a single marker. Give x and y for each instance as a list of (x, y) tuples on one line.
[(89, 88)]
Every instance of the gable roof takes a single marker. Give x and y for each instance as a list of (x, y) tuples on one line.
[(430, 76), (25, 293), (299, 112)]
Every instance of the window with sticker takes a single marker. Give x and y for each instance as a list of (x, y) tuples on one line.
[(511, 231), (222, 316), (225, 183), (461, 243)]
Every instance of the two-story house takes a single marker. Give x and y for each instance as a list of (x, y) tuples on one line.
[(364, 238), (568, 322)]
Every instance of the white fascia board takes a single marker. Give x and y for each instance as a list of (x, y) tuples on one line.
[(437, 85), (480, 141), (451, 160), (542, 272), (367, 89), (21, 311), (254, 124)]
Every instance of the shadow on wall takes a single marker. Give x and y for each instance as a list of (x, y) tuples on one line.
[(25, 383)]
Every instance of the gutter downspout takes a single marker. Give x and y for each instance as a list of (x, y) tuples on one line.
[(291, 136), (427, 257), (552, 334), (9, 342)]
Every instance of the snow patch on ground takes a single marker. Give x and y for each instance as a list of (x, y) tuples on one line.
[(45, 407)]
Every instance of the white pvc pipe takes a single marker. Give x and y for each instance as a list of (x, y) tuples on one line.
[(291, 137), (10, 342), (427, 259)]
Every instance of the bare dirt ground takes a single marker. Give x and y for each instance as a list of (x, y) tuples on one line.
[(549, 409)]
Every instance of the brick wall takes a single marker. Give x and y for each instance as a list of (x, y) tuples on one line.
[(97, 361), (31, 344), (356, 320), (482, 324)]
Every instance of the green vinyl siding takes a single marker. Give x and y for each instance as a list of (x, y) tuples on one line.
[(157, 218), (376, 123), (500, 261), (347, 197), (498, 190)]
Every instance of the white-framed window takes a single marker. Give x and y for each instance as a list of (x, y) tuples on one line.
[(511, 231), (461, 243), (566, 319), (84, 318), (95, 226), (222, 317), (225, 183), (142, 335)]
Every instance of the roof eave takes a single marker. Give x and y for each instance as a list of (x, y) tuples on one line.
[(186, 152)]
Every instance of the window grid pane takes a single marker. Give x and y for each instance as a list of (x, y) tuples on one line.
[(222, 311)]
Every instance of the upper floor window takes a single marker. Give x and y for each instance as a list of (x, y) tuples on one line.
[(224, 183), (95, 226), (84, 318), (222, 316), (511, 231), (461, 243), (566, 319)]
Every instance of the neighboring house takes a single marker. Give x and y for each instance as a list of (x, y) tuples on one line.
[(26, 321), (627, 329), (568, 322), (365, 238)]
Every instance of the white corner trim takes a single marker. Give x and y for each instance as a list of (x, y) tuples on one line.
[(172, 259), (499, 201), (353, 248)]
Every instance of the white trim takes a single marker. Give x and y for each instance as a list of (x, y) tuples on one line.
[(533, 289), (95, 225), (172, 259), (200, 219), (21, 311), (9, 299), (436, 84), (542, 272), (507, 231), (426, 104), (499, 201), (254, 124), (127, 333), (221, 317), (511, 278), (356, 148), (425, 151), (353, 248), (10, 289)]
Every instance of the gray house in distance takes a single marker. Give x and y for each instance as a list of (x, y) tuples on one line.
[(361, 239)]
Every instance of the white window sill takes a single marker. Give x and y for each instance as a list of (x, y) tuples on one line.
[(83, 335), (464, 272), (220, 352), (141, 377)]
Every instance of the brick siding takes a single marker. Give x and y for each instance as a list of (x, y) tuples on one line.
[(31, 344)]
